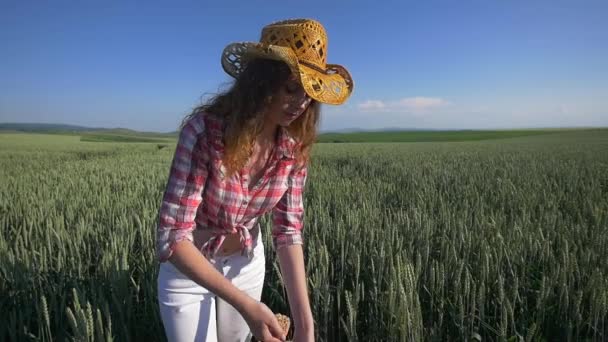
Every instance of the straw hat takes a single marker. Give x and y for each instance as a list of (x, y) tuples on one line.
[(302, 45)]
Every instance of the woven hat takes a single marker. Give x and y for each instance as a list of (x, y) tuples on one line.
[(302, 45)]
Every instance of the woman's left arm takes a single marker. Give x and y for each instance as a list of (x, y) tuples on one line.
[(291, 260), (287, 220)]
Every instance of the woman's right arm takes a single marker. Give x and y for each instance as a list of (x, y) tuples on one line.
[(181, 200), (189, 260), (174, 242)]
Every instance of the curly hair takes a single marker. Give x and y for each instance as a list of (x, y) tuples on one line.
[(241, 106)]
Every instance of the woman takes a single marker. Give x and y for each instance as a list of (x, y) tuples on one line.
[(242, 155)]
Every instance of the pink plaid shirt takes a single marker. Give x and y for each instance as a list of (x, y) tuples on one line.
[(198, 195)]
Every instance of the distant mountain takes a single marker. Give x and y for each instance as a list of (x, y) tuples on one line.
[(42, 127), (385, 129), (63, 128)]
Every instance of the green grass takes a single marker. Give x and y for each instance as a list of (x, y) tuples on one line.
[(123, 138), (429, 136), (360, 137), (26, 141), (403, 241)]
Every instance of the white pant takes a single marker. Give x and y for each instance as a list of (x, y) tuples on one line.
[(191, 312)]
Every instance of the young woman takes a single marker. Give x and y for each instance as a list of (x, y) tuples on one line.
[(240, 156)]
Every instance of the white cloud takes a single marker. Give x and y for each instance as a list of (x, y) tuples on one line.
[(414, 105), (504, 112), (421, 103), (372, 105)]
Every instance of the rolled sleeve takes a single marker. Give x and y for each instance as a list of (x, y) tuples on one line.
[(288, 214), (183, 192)]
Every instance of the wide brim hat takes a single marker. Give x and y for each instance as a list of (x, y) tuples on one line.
[(302, 45)]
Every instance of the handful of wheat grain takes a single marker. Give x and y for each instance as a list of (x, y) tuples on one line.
[(284, 322)]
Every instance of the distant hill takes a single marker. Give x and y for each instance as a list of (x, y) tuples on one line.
[(74, 129), (41, 127), (428, 135), (384, 129), (64, 128), (388, 134)]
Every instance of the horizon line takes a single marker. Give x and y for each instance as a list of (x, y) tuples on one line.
[(321, 131)]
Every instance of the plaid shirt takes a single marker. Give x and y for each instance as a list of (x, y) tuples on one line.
[(198, 195)]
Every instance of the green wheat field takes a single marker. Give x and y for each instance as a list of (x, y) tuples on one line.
[(457, 236)]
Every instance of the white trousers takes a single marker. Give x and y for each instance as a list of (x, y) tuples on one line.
[(191, 312)]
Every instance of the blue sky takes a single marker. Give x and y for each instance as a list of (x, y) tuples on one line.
[(424, 64)]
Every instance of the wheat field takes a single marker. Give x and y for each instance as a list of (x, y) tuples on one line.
[(491, 240)]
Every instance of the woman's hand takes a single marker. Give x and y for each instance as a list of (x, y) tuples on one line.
[(262, 322)]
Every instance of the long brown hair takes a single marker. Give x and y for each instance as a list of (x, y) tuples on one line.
[(241, 105)]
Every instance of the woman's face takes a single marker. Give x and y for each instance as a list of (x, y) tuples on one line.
[(288, 103)]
